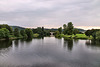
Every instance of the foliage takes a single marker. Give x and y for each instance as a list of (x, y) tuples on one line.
[(29, 33), (88, 33), (64, 29), (47, 33), (16, 32), (60, 30), (41, 31), (98, 35), (22, 32), (7, 27), (75, 31), (4, 33), (94, 35), (91, 32), (57, 34), (70, 28)]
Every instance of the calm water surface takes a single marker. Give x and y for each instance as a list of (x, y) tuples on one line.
[(49, 52)]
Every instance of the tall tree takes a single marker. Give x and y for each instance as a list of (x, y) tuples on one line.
[(98, 35), (57, 34), (88, 33), (22, 32), (94, 35), (7, 27), (16, 32), (60, 30), (4, 33), (29, 32), (64, 29), (70, 28), (75, 31)]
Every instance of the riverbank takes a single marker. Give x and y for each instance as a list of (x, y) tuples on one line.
[(12, 37), (77, 36)]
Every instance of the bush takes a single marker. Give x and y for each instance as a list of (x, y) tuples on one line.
[(29, 33), (4, 33), (98, 35)]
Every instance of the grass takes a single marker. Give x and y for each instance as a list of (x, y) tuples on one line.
[(77, 36), (35, 35)]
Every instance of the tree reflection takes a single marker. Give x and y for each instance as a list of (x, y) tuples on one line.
[(94, 43), (28, 40), (76, 41), (68, 43), (16, 42), (5, 44)]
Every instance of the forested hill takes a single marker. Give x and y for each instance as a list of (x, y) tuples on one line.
[(20, 28), (81, 30)]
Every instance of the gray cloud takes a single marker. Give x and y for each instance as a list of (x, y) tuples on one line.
[(49, 13)]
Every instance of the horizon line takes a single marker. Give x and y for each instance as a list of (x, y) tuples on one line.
[(50, 27), (80, 27)]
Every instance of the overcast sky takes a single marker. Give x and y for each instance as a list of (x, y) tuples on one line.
[(50, 13)]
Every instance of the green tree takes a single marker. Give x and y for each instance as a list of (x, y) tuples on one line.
[(88, 33), (75, 31), (60, 30), (43, 29), (98, 35), (40, 31), (22, 32), (70, 28), (16, 32), (57, 34), (7, 27), (64, 29), (4, 33), (94, 35), (47, 33), (29, 33)]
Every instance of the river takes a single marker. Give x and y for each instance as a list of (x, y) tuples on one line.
[(49, 52)]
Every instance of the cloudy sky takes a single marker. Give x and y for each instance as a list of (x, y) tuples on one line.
[(50, 13)]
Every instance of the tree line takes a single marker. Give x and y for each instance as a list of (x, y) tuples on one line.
[(67, 29), (7, 32), (95, 33)]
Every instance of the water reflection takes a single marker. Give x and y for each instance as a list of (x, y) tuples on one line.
[(68, 44), (93, 43), (28, 40), (16, 42), (48, 52), (76, 41), (5, 44)]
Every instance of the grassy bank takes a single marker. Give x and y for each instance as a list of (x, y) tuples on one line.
[(35, 35), (77, 36)]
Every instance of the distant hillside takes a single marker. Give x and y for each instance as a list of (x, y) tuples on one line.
[(20, 28), (81, 30)]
